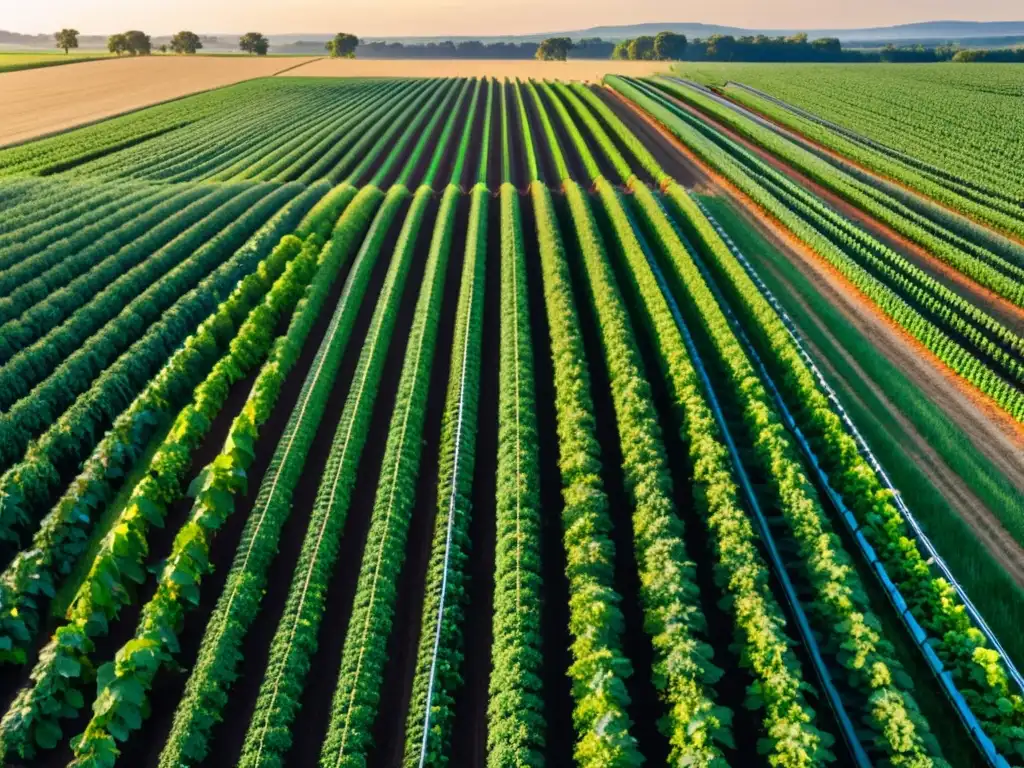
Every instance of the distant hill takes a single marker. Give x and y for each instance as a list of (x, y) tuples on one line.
[(944, 30), (931, 31)]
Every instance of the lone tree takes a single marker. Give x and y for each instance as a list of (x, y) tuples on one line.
[(186, 42), (642, 49), (343, 46), (254, 42), (66, 39), (668, 46), (554, 49), (139, 43), (117, 43)]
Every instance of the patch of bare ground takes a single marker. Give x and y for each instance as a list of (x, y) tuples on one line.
[(592, 70), (1004, 311), (38, 102)]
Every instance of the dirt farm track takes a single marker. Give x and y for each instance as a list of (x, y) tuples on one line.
[(38, 102)]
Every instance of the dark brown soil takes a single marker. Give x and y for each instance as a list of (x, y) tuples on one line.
[(520, 172), (226, 742), (577, 171), (396, 690), (555, 638), (655, 138), (320, 685), (469, 737), (447, 164), (471, 170), (645, 707)]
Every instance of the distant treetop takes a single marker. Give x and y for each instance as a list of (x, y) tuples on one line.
[(343, 46), (254, 42)]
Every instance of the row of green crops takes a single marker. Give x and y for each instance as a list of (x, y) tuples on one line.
[(955, 126), (789, 734), (431, 711), (516, 730), (957, 206), (295, 639), (838, 601), (64, 665), (962, 357), (64, 532), (976, 669), (358, 689), (63, 232), (66, 437), (207, 690), (601, 715), (49, 285), (58, 366), (995, 344), (990, 269)]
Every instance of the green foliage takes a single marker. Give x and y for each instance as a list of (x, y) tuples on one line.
[(431, 710), (186, 42), (66, 39), (516, 728), (255, 43), (295, 640), (961, 357), (961, 648), (839, 603), (364, 655), (601, 713), (63, 535), (68, 436), (64, 664), (683, 670), (342, 46), (554, 49), (215, 670), (987, 268)]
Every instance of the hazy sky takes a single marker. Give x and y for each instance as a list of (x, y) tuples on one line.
[(474, 17)]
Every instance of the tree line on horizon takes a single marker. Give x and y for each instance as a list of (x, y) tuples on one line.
[(665, 46)]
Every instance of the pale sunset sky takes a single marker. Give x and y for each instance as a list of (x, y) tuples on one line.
[(369, 18)]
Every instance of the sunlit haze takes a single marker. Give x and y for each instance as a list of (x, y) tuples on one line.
[(471, 17)]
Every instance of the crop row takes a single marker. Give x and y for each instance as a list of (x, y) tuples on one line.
[(358, 690), (64, 664), (976, 669), (67, 437), (295, 639), (64, 532), (960, 358), (939, 304), (207, 690), (699, 727), (985, 267)]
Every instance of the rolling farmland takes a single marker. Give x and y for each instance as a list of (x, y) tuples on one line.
[(472, 421)]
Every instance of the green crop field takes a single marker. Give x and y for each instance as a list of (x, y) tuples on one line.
[(427, 422)]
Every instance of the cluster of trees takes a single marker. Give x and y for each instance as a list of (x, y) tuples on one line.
[(587, 48), (255, 43), (1006, 55), (132, 42), (921, 54), (343, 46), (665, 46)]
